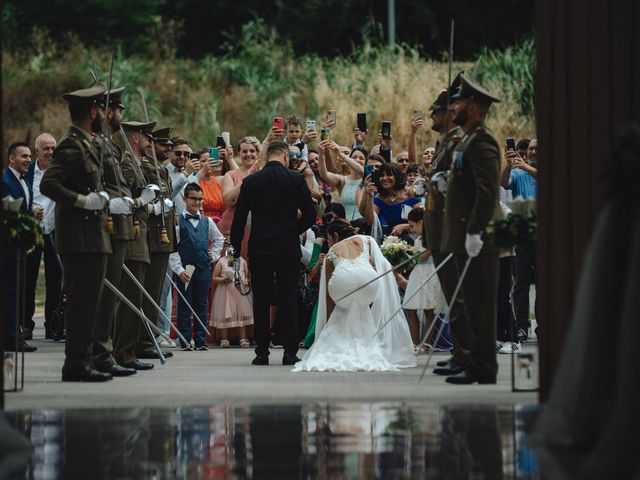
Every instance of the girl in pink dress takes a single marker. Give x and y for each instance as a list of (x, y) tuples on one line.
[(229, 308)]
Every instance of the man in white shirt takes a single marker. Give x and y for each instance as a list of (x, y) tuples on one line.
[(199, 245), (44, 209)]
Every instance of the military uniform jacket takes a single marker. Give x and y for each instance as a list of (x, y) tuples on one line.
[(154, 233), (434, 206), (75, 170), (114, 184), (138, 249), (473, 190)]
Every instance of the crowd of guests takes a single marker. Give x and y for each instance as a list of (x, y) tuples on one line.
[(371, 183)]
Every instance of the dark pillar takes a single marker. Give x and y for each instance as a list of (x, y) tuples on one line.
[(587, 86)]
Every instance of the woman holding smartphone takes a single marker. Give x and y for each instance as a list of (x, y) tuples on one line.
[(248, 150), (214, 170), (349, 186)]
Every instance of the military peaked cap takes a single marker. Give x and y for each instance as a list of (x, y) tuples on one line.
[(115, 97), (146, 128), (441, 102), (468, 89), (94, 95), (163, 135)]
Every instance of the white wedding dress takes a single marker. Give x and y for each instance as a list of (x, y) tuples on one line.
[(348, 340)]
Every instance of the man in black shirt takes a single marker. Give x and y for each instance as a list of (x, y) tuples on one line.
[(281, 209)]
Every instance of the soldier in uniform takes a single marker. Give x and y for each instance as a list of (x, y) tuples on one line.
[(73, 180), (450, 134), (161, 235), (137, 258), (162, 142), (471, 202), (120, 228)]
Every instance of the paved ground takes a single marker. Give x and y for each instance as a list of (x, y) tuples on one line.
[(226, 376)]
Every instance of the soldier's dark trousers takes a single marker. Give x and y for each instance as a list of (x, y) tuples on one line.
[(153, 281), (125, 335), (102, 354), (479, 291), (460, 325), (84, 275)]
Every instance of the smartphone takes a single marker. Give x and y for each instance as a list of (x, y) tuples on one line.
[(194, 156), (220, 143), (311, 125), (325, 134), (331, 117), (385, 128), (362, 122), (214, 153), (278, 122), (511, 144), (226, 136), (368, 170), (416, 113)]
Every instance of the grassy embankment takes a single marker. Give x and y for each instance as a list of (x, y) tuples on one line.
[(257, 79)]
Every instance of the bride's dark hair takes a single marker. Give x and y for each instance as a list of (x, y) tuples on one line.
[(342, 228)]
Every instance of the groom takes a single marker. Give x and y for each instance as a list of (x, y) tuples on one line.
[(281, 209)]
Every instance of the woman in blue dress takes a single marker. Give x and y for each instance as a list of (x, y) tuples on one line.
[(387, 197)]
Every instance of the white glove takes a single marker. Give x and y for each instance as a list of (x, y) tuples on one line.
[(157, 207), (440, 179), (146, 196), (473, 244), (121, 206), (93, 201)]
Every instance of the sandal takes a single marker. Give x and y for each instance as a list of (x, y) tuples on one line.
[(244, 343), (225, 343)]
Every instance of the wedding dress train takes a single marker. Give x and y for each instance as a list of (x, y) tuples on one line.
[(348, 340)]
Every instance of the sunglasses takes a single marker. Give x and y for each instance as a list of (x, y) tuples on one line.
[(295, 154), (181, 153)]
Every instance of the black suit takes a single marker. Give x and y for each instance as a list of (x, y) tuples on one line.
[(12, 186), (273, 196)]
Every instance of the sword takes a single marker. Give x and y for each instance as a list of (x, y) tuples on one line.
[(150, 298), (188, 305), (401, 264), (140, 313), (453, 298), (433, 274)]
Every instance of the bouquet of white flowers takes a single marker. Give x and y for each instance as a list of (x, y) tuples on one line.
[(397, 251)]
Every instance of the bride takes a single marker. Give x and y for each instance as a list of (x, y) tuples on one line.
[(348, 340)]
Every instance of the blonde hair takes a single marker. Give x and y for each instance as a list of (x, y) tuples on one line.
[(250, 140)]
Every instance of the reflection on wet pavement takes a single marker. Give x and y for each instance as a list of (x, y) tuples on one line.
[(332, 441)]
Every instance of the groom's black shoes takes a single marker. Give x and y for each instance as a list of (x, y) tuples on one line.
[(261, 360), (290, 359), (443, 363), (451, 368), (467, 378)]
